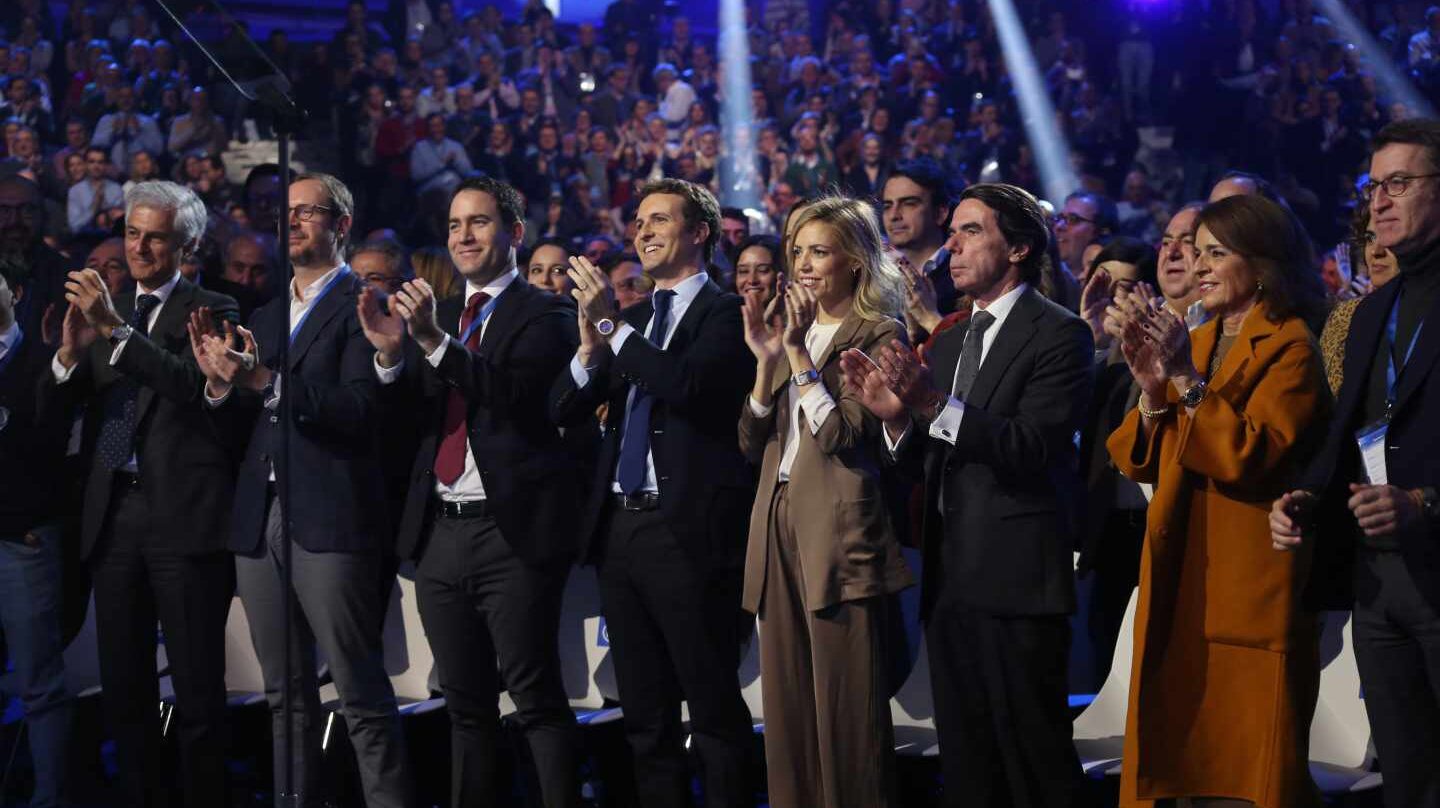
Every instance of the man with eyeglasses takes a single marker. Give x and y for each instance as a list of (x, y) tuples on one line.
[(1086, 219), (339, 522), (1367, 507)]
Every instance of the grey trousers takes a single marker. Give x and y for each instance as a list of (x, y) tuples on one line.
[(30, 620), (339, 606)]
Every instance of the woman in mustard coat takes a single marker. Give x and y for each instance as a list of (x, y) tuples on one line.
[(1226, 665)]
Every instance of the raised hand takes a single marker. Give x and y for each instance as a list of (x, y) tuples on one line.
[(199, 326), (87, 292), (592, 290), (51, 325), (764, 329), (862, 376), (920, 299), (385, 329), (800, 309), (1095, 301), (906, 376), (415, 302), (76, 334)]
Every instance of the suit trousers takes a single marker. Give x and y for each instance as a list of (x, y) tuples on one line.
[(829, 742), (1397, 650), (339, 606), (135, 583), (494, 621), (30, 619), (1002, 711), (674, 630)]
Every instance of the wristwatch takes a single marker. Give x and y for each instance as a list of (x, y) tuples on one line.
[(806, 378), (1193, 395), (606, 327), (120, 333), (1432, 505)]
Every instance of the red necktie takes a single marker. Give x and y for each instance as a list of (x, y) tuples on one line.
[(450, 459)]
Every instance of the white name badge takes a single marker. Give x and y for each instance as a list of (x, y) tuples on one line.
[(1371, 441)]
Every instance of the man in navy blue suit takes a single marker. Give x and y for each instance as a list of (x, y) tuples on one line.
[(339, 527)]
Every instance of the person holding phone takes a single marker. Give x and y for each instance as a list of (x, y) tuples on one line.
[(822, 553)]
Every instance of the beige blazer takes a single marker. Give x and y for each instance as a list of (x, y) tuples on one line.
[(848, 548)]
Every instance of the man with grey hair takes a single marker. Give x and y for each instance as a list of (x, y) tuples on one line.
[(382, 264), (153, 526), (332, 494)]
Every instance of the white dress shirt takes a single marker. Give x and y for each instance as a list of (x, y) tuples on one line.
[(947, 425), (63, 374), (685, 293), (815, 404), (467, 487)]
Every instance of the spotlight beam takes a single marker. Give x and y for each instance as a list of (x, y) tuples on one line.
[(1393, 83), (1052, 153), (740, 187)]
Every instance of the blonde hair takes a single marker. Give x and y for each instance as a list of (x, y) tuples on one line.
[(879, 285), (434, 266)]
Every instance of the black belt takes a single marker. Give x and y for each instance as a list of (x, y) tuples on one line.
[(471, 509), (126, 480), (644, 501)]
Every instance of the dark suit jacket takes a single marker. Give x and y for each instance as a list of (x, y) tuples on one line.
[(1011, 487), (529, 474), (1411, 459), (1114, 396), (335, 477), (32, 442), (699, 383), (186, 458)]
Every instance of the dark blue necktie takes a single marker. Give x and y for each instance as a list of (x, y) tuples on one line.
[(635, 442), (116, 441)]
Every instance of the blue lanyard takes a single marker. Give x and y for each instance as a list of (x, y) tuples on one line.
[(480, 318), (295, 330), (1392, 373), (10, 353)]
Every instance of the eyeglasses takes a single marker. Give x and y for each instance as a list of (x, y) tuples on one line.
[(1071, 219), (1398, 185), (307, 212)]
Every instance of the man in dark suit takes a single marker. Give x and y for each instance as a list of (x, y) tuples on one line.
[(489, 516), (161, 478), (1368, 502), (666, 522), (32, 451), (339, 525), (994, 430)]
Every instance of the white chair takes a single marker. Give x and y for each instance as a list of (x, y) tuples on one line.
[(244, 681), (1340, 758), (912, 709), (750, 680), (1099, 731), (82, 658)]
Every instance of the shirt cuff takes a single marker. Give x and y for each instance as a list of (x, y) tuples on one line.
[(62, 373), (115, 354), (757, 409), (817, 406), (388, 375), (436, 355), (579, 373), (947, 425), (617, 340), (894, 445), (212, 403)]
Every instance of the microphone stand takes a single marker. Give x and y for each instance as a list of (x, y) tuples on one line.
[(271, 92)]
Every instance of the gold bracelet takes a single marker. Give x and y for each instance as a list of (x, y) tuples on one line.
[(1153, 414)]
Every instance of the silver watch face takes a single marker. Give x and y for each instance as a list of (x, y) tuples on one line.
[(605, 327)]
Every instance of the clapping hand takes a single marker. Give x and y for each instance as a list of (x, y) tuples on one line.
[(765, 325), (383, 326), (415, 302), (1095, 301), (921, 304)]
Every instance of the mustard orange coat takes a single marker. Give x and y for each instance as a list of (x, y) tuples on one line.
[(1226, 667)]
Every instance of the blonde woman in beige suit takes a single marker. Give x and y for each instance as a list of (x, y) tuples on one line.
[(822, 552)]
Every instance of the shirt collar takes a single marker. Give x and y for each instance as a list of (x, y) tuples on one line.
[(687, 290), (931, 262), (494, 287), (1000, 309), (163, 292), (9, 337), (308, 293)]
